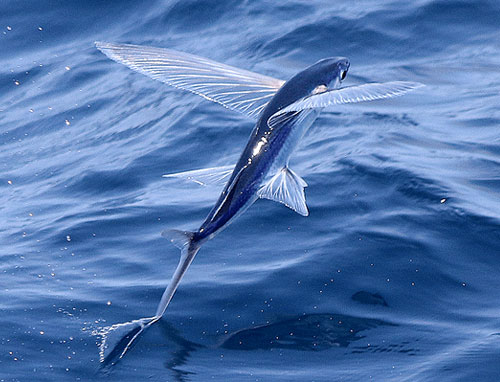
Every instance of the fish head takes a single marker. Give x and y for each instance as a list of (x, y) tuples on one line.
[(324, 75), (328, 73)]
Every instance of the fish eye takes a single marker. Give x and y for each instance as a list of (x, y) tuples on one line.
[(343, 74)]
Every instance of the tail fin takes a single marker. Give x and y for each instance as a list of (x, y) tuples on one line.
[(189, 248), (119, 338)]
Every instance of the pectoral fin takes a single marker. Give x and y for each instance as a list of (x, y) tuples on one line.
[(349, 94), (234, 88), (287, 188)]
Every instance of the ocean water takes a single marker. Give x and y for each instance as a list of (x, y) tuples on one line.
[(394, 276)]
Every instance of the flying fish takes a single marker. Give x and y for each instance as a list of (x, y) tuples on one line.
[(283, 110)]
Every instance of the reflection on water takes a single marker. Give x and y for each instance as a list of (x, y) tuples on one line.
[(308, 332), (180, 355), (117, 339), (369, 298)]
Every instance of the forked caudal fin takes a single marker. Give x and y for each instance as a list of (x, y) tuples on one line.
[(117, 339)]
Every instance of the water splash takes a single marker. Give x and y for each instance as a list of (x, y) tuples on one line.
[(115, 340)]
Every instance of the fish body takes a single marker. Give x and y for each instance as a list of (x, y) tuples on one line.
[(284, 111), (269, 147), (266, 152)]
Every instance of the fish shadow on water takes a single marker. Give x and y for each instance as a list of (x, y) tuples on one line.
[(308, 332)]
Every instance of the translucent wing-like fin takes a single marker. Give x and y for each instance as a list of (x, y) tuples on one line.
[(206, 176), (237, 89), (351, 94), (287, 188)]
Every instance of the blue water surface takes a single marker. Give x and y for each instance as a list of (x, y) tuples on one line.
[(394, 276)]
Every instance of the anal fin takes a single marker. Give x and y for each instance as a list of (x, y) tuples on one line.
[(286, 187)]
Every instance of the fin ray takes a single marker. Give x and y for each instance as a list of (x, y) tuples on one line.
[(238, 89), (287, 188), (350, 94), (205, 176)]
